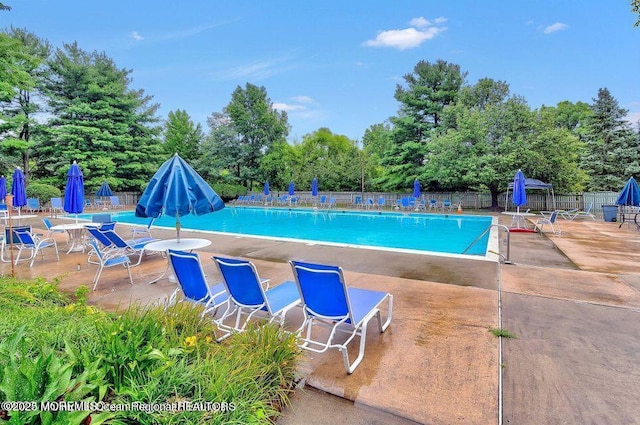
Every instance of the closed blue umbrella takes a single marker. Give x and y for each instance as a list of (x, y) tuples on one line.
[(519, 193), (18, 189), (266, 188), (416, 188), (3, 188), (314, 187), (74, 191), (292, 188), (176, 190), (104, 190), (630, 194)]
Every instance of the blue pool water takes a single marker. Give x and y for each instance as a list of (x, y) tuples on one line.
[(422, 232)]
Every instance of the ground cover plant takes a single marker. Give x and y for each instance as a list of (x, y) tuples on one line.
[(153, 365)]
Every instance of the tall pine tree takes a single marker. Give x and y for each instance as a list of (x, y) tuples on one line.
[(110, 129), (611, 154)]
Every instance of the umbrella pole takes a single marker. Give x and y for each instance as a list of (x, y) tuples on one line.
[(9, 202), (178, 227)]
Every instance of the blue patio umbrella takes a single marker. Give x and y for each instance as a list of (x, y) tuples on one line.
[(266, 188), (176, 190), (630, 194), (104, 190), (3, 189), (519, 194), (19, 189), (314, 187), (292, 188), (74, 191), (416, 188)]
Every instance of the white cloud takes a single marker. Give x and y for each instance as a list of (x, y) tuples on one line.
[(558, 26), (419, 22), (303, 99), (288, 107), (440, 20), (136, 36), (421, 30), (403, 39), (633, 117)]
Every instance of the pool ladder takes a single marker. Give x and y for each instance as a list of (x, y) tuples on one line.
[(507, 242)]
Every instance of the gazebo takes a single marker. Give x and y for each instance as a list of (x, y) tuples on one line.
[(534, 184)]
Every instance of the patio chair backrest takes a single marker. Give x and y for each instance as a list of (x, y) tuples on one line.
[(588, 209), (242, 282), (116, 239), (101, 218), (189, 274), (33, 203), (95, 248), (56, 203), (381, 201), (554, 215), (322, 290), (15, 238), (98, 235), (25, 237), (108, 225), (47, 223)]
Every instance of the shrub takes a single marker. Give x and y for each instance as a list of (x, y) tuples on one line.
[(229, 191), (43, 192)]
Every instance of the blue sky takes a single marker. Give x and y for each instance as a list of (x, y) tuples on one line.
[(336, 64)]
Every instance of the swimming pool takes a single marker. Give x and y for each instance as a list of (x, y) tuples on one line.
[(446, 233)]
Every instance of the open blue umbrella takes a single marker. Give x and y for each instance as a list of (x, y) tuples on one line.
[(74, 191), (266, 188), (104, 190), (292, 188), (519, 194), (630, 194), (176, 190), (314, 187), (18, 189), (3, 189), (416, 188)]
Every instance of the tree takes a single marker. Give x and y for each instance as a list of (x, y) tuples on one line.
[(15, 63), (611, 153), (635, 8), (430, 88), (257, 126), (181, 135), (21, 111), (110, 129), (332, 158), (220, 158)]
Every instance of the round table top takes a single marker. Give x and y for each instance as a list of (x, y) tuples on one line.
[(522, 214), (185, 244), (69, 226), (21, 216)]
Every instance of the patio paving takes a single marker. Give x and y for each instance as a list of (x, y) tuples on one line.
[(572, 301)]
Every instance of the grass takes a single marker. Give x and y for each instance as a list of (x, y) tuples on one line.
[(58, 348), (502, 333)]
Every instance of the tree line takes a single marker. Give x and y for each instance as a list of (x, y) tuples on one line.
[(63, 104)]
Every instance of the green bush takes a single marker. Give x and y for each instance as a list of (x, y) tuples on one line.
[(229, 191), (159, 354), (43, 192)]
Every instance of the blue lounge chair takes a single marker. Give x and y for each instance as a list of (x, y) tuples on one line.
[(56, 206), (115, 202), (357, 201), (102, 242), (576, 213), (109, 259), (33, 204), (130, 247), (142, 233), (193, 283), (326, 299), (33, 244), (381, 202), (551, 221), (247, 296)]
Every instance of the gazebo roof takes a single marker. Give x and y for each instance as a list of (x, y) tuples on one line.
[(534, 184)]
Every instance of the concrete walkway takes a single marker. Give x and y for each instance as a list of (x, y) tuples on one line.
[(572, 301)]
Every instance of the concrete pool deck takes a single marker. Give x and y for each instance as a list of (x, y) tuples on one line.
[(571, 300)]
